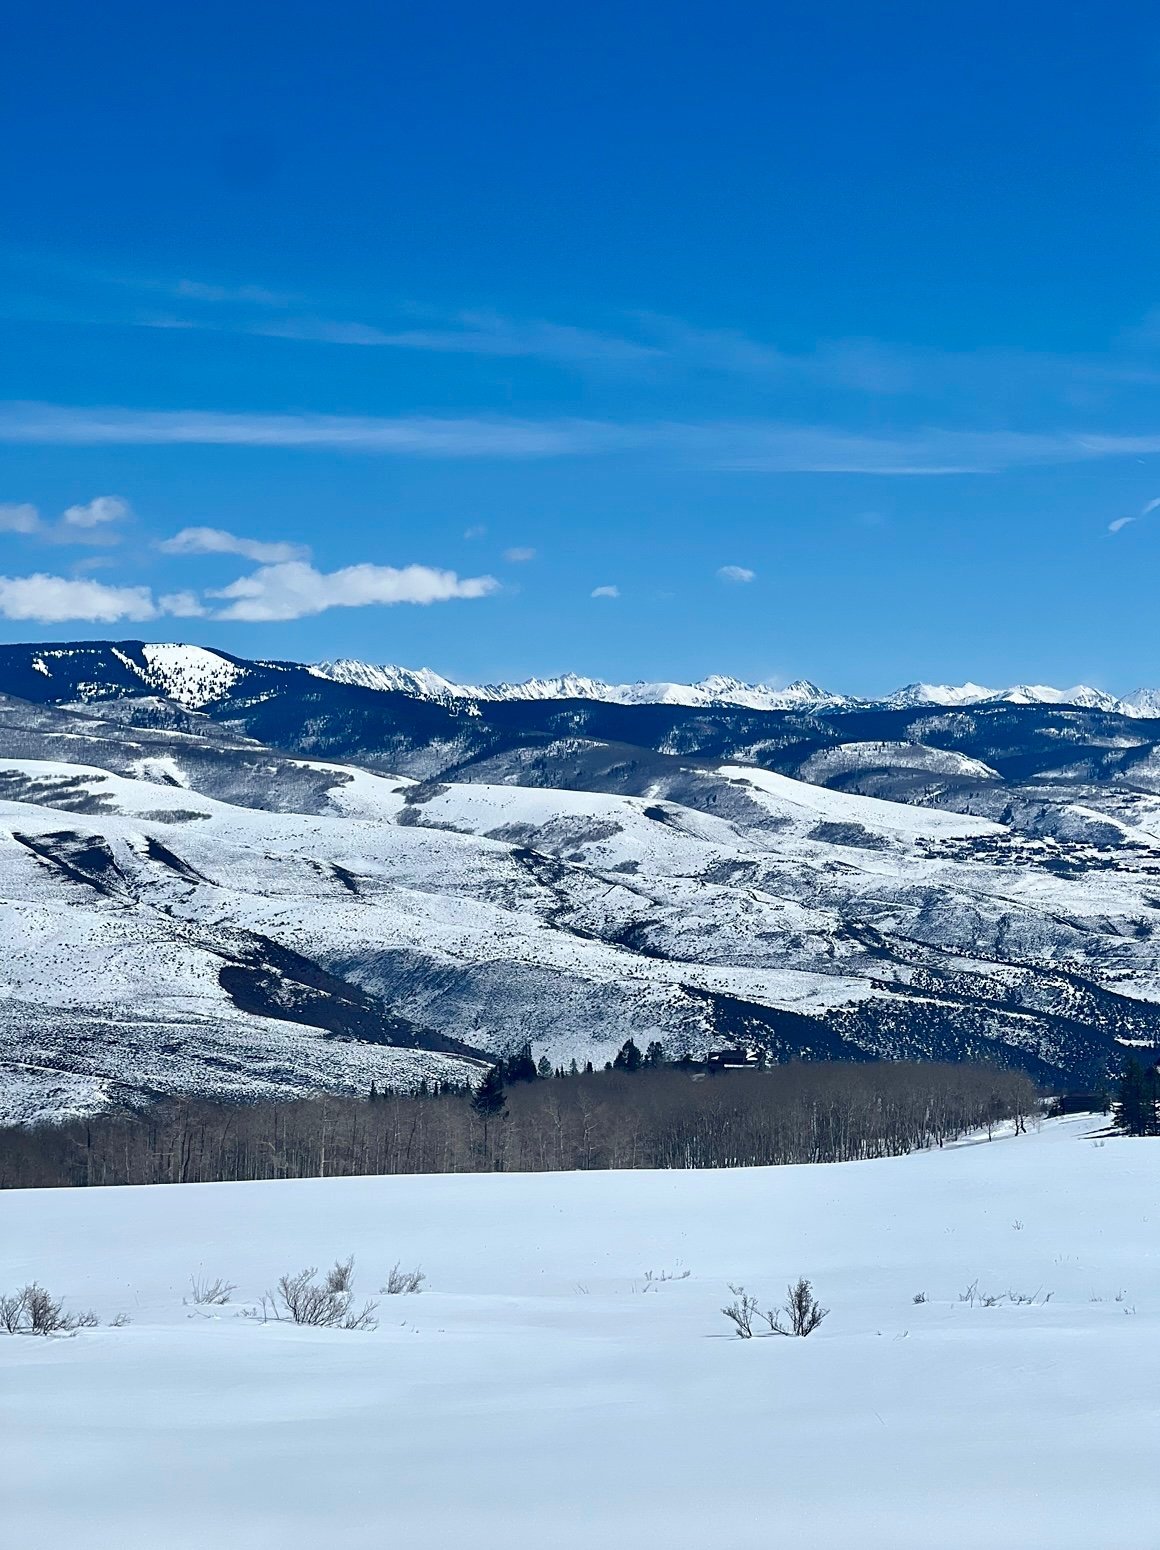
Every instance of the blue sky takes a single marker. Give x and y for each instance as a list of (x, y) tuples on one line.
[(644, 341)]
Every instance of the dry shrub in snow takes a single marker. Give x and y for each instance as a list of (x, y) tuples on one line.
[(216, 1292), (35, 1311), (403, 1282), (325, 1305), (800, 1314), (740, 1311)]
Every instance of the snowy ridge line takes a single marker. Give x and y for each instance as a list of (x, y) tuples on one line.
[(719, 690), (197, 676)]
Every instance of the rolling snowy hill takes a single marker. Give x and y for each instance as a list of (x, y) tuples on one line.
[(240, 878)]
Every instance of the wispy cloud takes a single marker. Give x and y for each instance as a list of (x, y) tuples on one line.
[(609, 591), (476, 530), (755, 446), (1120, 523), (182, 605), (296, 590), (89, 523), (19, 518), (463, 333), (200, 290), (215, 540), (469, 437), (520, 555), (736, 573)]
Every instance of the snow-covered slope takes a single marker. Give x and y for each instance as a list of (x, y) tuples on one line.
[(911, 1419), (158, 939)]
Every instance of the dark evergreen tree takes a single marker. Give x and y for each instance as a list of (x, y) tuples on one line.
[(573, 1068), (374, 1093), (543, 1067), (655, 1054), (520, 1067), (489, 1099), (629, 1057), (1136, 1099)]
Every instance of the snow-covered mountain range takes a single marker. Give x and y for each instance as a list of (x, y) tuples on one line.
[(718, 690), (225, 876)]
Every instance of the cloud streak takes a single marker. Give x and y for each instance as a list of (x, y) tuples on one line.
[(423, 436), (736, 574), (752, 446), (215, 540), (1120, 523)]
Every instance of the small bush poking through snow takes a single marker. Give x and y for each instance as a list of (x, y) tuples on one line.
[(799, 1315), (740, 1311), (35, 1311), (329, 1305), (403, 1283), (215, 1292), (801, 1308), (11, 1312)]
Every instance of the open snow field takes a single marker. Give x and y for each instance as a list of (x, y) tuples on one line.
[(540, 1393)]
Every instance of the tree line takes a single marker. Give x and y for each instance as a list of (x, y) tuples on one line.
[(635, 1115)]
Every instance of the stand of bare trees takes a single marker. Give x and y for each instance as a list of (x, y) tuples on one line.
[(651, 1118)]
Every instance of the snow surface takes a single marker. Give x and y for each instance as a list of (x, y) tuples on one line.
[(540, 1394), (191, 675)]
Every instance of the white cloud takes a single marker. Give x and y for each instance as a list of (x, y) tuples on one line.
[(421, 436), (95, 513), (182, 605), (215, 540), (1122, 522), (519, 555), (606, 592), (19, 518), (55, 599), (736, 573), (477, 530), (295, 590), (757, 446)]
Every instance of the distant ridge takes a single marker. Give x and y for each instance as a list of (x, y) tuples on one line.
[(199, 676), (719, 690)]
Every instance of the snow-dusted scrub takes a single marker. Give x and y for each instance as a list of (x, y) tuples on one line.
[(327, 1304), (33, 1310), (532, 1398), (664, 1118)]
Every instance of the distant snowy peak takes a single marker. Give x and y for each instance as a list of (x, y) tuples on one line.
[(715, 690), (939, 694), (1141, 702), (723, 691)]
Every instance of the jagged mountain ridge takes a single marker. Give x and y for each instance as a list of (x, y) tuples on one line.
[(719, 690), (195, 676)]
